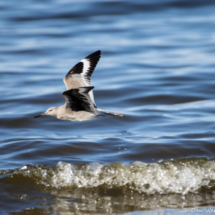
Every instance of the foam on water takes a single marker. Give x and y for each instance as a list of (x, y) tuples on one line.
[(164, 177)]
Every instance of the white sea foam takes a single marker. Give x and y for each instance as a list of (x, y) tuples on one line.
[(163, 177)]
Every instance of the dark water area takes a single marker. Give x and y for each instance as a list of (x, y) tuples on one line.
[(157, 68)]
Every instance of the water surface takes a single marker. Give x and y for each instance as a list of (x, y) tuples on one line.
[(157, 68)]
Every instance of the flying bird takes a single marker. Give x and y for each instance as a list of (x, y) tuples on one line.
[(80, 104)]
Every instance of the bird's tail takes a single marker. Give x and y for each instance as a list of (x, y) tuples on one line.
[(109, 113)]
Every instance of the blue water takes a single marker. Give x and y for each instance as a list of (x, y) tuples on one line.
[(157, 68)]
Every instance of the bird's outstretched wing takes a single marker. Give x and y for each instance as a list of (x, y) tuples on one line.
[(79, 75), (78, 99)]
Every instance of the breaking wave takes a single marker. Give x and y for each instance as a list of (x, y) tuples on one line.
[(163, 177)]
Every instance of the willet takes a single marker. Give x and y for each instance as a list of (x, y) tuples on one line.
[(80, 104)]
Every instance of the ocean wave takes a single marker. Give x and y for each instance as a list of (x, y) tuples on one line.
[(164, 177)]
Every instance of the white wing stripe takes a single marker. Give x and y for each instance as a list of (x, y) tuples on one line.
[(86, 66)]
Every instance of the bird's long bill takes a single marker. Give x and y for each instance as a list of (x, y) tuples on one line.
[(39, 115)]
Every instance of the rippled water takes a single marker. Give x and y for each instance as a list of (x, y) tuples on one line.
[(157, 68)]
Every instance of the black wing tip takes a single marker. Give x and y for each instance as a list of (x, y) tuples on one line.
[(95, 55), (94, 59), (78, 68)]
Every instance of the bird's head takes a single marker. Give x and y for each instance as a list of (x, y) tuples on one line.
[(52, 111)]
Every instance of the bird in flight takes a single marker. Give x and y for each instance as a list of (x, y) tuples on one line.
[(80, 104)]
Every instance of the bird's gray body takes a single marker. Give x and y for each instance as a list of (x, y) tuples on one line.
[(64, 113), (80, 104)]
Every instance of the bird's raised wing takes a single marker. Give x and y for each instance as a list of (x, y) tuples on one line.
[(79, 75)]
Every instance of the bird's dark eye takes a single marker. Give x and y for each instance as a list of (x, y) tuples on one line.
[(50, 110)]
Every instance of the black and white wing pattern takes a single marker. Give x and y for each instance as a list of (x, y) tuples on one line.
[(78, 99), (79, 75)]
